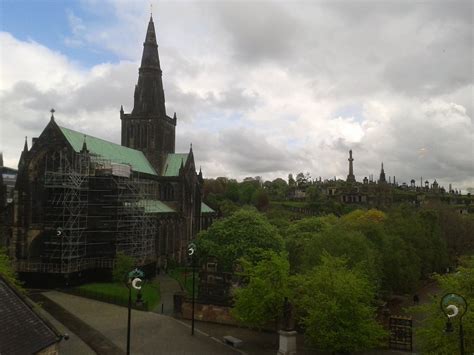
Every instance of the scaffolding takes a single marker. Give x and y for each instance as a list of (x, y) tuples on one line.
[(67, 187), (136, 229), (94, 208)]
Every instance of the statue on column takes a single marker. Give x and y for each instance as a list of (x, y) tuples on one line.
[(288, 319)]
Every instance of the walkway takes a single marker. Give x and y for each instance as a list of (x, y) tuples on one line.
[(151, 333), (74, 345), (96, 340), (168, 287)]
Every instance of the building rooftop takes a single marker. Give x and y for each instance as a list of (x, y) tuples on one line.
[(173, 163), (23, 330), (108, 150)]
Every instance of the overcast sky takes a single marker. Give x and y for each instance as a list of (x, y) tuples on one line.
[(260, 88)]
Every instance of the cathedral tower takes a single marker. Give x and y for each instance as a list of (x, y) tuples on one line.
[(148, 128)]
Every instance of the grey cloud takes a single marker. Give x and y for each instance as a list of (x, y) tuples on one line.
[(190, 105), (249, 151), (258, 30)]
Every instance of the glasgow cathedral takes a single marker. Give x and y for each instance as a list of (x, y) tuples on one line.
[(79, 200)]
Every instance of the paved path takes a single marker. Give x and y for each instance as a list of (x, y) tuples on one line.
[(168, 287), (74, 345), (66, 315), (151, 333)]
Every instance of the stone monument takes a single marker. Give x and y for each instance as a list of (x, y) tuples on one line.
[(287, 333)]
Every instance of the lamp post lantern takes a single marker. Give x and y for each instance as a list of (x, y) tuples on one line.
[(191, 253), (135, 278), (454, 305)]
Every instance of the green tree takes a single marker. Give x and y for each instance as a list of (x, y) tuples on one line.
[(401, 266), (277, 189), (232, 191), (246, 233), (260, 302), (260, 199), (430, 334), (6, 269), (336, 308), (123, 265), (352, 245), (420, 230), (299, 235)]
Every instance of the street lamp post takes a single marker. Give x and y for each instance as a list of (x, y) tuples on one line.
[(191, 253), (453, 305), (135, 278)]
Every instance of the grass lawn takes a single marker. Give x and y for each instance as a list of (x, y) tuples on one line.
[(186, 282), (118, 293)]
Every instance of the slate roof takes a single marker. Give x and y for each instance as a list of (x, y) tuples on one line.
[(108, 150), (173, 163), (206, 209), (155, 206), (22, 330)]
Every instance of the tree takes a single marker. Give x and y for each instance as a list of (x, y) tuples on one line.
[(301, 180), (277, 189), (430, 334), (261, 200), (314, 196), (336, 308), (246, 192), (421, 230), (291, 180), (299, 234), (7, 271), (123, 265), (338, 241), (246, 233), (260, 302), (232, 191)]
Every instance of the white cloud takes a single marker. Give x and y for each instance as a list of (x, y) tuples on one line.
[(269, 104)]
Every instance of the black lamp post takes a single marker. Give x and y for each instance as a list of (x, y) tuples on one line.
[(453, 305), (135, 278), (192, 254)]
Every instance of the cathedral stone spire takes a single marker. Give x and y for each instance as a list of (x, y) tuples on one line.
[(148, 128), (351, 177), (149, 97)]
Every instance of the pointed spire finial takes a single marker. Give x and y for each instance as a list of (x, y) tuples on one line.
[(151, 10), (1, 158), (25, 147), (84, 146), (52, 113), (121, 108), (191, 147)]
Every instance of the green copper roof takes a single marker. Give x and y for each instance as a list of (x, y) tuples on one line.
[(206, 209), (108, 150), (155, 206), (173, 163)]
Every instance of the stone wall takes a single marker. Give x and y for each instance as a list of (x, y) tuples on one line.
[(208, 313)]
